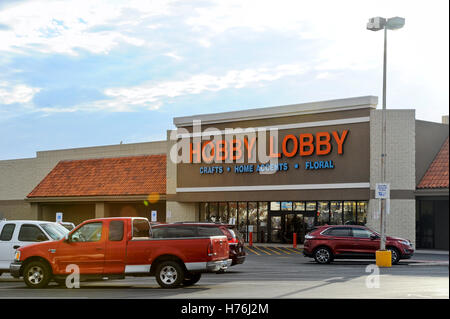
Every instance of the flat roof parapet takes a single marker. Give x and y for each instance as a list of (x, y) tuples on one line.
[(281, 111)]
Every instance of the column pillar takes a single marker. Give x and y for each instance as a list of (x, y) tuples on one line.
[(100, 210)]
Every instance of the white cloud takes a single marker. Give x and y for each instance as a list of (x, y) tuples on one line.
[(62, 26), (151, 96), (174, 56), (18, 93)]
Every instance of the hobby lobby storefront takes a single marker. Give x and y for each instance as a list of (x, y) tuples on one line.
[(271, 171), (276, 171)]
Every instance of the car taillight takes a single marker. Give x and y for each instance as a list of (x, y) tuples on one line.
[(210, 249)]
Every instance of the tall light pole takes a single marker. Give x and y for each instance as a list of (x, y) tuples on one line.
[(376, 24)]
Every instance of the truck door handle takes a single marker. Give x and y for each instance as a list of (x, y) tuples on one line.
[(16, 246), (99, 248)]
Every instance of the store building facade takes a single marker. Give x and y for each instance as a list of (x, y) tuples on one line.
[(271, 171)]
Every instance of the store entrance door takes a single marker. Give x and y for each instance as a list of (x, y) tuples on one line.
[(293, 224), (283, 226)]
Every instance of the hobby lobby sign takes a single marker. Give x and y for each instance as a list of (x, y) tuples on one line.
[(251, 145)]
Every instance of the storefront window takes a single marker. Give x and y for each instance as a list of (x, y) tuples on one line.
[(213, 212), (275, 206), (323, 213), (223, 212), (242, 219), (362, 213), (262, 206), (253, 220), (299, 206), (203, 211), (349, 213), (336, 213), (232, 214), (286, 206), (275, 233), (311, 206)]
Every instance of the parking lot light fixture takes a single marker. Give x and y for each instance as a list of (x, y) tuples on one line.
[(377, 24)]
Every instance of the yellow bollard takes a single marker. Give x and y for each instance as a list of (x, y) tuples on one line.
[(383, 258)]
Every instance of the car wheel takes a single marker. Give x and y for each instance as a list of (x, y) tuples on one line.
[(395, 255), (323, 255), (191, 279), (37, 274), (169, 274)]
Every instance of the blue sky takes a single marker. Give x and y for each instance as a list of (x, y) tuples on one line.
[(78, 73)]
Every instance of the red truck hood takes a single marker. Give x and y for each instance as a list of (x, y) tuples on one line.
[(38, 247)]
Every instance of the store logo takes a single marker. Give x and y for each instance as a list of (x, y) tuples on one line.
[(251, 146)]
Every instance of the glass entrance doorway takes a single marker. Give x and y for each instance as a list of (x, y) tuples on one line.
[(278, 221), (284, 226)]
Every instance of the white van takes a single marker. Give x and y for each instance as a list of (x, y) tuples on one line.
[(18, 233)]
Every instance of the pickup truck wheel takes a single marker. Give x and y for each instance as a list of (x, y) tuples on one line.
[(36, 274), (191, 279), (169, 274)]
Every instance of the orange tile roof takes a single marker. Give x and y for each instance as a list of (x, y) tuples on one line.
[(135, 175), (437, 174)]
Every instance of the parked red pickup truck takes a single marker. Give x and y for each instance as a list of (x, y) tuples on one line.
[(119, 247)]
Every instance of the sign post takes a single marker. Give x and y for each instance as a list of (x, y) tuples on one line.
[(59, 217), (154, 216), (383, 256)]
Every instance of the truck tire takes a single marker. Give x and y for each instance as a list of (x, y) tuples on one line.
[(191, 279), (169, 274), (37, 274)]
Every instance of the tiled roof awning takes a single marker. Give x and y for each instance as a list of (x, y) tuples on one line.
[(437, 174), (135, 175)]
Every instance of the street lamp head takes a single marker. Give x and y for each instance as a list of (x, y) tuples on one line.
[(395, 23), (376, 24), (379, 23)]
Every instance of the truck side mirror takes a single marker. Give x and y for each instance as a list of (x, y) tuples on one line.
[(373, 237)]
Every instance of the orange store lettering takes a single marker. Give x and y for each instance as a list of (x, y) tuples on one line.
[(306, 144)]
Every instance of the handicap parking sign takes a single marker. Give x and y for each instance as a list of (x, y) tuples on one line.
[(382, 191)]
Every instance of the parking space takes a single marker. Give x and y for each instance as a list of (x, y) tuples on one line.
[(261, 249)]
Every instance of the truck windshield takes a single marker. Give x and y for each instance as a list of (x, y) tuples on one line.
[(55, 231)]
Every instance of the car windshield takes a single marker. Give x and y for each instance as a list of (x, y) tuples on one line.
[(55, 231), (68, 226)]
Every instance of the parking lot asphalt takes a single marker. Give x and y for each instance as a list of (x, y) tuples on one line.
[(272, 273)]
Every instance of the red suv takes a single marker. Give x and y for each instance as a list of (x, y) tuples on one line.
[(196, 229), (327, 243)]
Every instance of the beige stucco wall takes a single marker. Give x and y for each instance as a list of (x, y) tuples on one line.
[(400, 171), (181, 211), (19, 177)]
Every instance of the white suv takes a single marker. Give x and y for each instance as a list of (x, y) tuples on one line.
[(18, 233)]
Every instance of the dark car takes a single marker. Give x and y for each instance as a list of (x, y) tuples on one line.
[(327, 243), (196, 229)]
